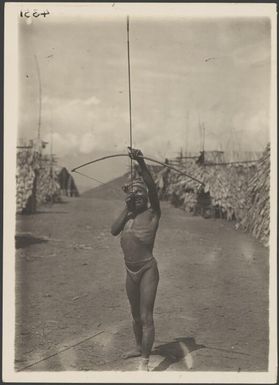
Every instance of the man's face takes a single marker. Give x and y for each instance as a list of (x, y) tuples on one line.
[(140, 198)]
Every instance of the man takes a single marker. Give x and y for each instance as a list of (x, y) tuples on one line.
[(138, 224)]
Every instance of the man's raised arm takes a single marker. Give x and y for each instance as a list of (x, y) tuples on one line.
[(147, 177)]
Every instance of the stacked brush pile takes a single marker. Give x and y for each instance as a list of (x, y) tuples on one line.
[(48, 188), (235, 191), (227, 186), (224, 188), (257, 215), (28, 164), (34, 182)]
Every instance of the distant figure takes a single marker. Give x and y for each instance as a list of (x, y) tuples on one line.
[(162, 181), (67, 183), (138, 224), (200, 159)]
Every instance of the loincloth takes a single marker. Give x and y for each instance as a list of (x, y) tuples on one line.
[(137, 275)]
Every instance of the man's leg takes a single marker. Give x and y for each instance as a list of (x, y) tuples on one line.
[(133, 294), (148, 290)]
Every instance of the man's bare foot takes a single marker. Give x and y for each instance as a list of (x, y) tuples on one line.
[(144, 364), (131, 354)]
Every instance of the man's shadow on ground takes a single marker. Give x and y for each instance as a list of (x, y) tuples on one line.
[(175, 351)]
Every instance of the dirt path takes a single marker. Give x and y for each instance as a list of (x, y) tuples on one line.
[(211, 311)]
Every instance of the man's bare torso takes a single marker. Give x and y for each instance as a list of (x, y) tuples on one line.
[(138, 236)]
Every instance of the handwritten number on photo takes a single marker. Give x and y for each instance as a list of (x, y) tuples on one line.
[(35, 13)]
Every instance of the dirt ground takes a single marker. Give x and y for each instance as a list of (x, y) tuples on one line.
[(211, 311)]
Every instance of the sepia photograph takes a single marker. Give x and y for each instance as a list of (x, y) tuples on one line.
[(140, 193)]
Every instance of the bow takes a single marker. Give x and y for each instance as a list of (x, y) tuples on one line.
[(130, 116), (143, 157)]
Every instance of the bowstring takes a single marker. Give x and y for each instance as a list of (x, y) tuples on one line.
[(144, 157), (90, 177), (97, 180)]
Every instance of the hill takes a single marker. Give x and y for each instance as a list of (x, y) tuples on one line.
[(109, 190)]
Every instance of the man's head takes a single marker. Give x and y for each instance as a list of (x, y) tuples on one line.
[(137, 191)]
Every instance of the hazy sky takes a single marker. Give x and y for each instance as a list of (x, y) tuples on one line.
[(215, 70)]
